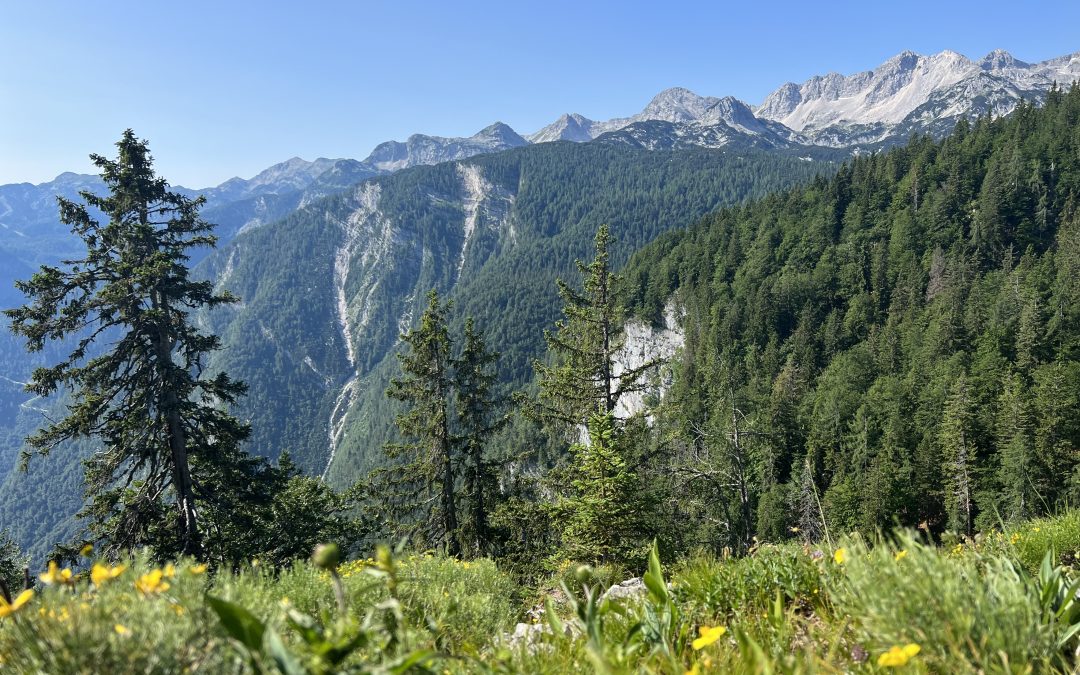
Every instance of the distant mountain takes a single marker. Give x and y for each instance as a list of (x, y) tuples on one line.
[(31, 233), (910, 92), (424, 150)]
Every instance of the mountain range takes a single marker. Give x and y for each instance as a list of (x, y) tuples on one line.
[(907, 94), (332, 257)]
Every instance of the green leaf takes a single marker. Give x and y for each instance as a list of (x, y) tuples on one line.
[(239, 623), (553, 620), (654, 578), (283, 658), (414, 662)]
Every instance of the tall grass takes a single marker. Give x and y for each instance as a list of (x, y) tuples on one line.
[(1001, 603)]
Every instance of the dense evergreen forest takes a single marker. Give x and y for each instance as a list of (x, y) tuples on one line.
[(897, 344), (542, 206)]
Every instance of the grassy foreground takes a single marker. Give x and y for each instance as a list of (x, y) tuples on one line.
[(997, 604)]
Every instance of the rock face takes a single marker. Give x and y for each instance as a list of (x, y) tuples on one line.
[(527, 636), (630, 589), (645, 344)]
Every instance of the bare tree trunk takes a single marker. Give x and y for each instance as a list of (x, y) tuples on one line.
[(170, 408)]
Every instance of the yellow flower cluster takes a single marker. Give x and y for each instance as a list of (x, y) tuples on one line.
[(7, 609), (707, 635), (898, 656), (56, 576), (99, 573), (153, 582)]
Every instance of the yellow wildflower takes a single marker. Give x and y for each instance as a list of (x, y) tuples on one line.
[(898, 656), (99, 573), (122, 629), (16, 604), (708, 635), (197, 569), (695, 670), (900, 555), (839, 556), (86, 550), (169, 571), (151, 583), (55, 575), (178, 610)]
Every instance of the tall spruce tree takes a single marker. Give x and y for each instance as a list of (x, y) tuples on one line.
[(585, 343), (600, 505), (136, 371), (423, 486), (479, 413), (600, 516)]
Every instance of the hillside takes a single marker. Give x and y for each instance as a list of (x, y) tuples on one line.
[(900, 339), (327, 290)]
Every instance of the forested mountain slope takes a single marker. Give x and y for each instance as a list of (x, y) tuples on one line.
[(327, 291), (900, 340)]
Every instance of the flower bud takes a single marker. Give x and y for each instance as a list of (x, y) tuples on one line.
[(326, 556)]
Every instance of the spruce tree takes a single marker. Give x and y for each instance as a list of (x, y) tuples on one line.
[(423, 486), (136, 372), (599, 508), (585, 344), (600, 518), (479, 416)]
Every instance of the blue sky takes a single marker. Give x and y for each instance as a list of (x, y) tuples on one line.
[(228, 88)]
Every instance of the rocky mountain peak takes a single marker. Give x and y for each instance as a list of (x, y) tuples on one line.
[(999, 59), (500, 134), (676, 104)]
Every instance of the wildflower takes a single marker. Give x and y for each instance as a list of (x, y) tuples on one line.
[(151, 583), (197, 569), (170, 571), (1034, 529), (900, 555), (695, 670), (898, 656), (178, 610), (839, 556), (55, 575), (86, 550), (16, 604), (99, 573), (122, 629), (794, 530), (708, 635)]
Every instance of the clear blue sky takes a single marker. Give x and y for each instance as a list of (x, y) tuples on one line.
[(228, 88)]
